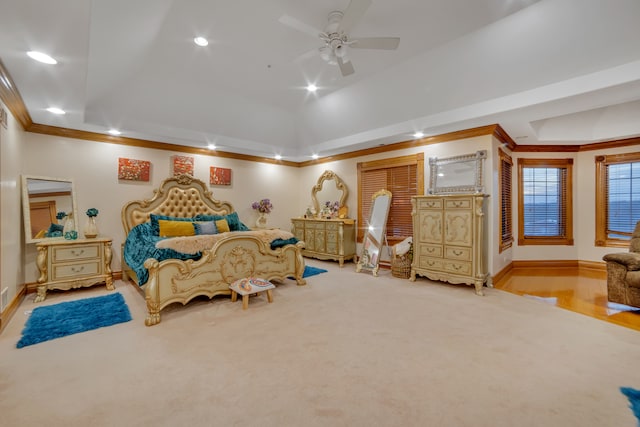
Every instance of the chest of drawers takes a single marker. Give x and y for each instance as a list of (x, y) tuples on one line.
[(448, 239), (66, 264), (326, 238)]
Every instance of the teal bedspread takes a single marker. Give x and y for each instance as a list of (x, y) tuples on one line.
[(141, 244)]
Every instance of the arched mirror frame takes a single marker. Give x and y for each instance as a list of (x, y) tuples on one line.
[(26, 204), (371, 244), (326, 176)]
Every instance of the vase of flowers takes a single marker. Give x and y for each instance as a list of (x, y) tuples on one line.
[(91, 229), (69, 231), (264, 208)]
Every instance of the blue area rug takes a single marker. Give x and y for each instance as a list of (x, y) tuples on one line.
[(634, 400), (312, 271), (67, 318)]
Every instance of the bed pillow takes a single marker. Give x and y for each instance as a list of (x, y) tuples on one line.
[(207, 227), (222, 225), (232, 219), (175, 228), (155, 227)]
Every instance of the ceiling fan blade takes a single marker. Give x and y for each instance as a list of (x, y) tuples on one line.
[(346, 68), (355, 11), (298, 25), (388, 43)]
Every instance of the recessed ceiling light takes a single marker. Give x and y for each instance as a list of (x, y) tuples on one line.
[(278, 157), (42, 57), (314, 156), (114, 132), (201, 41), (312, 88), (56, 110), (418, 134), (211, 146)]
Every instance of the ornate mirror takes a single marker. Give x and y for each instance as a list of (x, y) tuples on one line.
[(329, 190), (459, 174), (42, 199), (375, 231)]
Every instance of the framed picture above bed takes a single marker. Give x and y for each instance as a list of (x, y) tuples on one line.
[(219, 176), (182, 165), (133, 170)]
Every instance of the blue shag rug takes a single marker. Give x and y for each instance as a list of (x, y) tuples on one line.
[(634, 400), (68, 318), (312, 271)]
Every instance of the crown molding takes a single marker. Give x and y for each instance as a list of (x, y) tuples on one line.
[(11, 97)]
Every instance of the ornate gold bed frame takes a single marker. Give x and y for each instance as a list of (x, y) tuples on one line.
[(234, 257)]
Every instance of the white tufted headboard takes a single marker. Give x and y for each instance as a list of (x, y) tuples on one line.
[(180, 196)]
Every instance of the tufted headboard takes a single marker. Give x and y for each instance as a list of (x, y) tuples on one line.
[(180, 196)]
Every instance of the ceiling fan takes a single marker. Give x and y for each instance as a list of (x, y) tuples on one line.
[(335, 36)]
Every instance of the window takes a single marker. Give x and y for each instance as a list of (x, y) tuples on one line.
[(504, 188), (617, 198), (404, 177), (545, 209)]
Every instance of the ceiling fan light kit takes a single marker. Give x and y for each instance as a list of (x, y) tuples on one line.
[(337, 42)]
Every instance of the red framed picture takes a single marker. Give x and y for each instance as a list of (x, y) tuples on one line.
[(219, 176), (182, 165), (133, 170)]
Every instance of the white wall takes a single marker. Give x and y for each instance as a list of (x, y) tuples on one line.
[(11, 231), (94, 169)]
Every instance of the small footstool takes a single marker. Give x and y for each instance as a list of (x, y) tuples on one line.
[(248, 286)]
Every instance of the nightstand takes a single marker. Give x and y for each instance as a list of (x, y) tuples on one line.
[(66, 264)]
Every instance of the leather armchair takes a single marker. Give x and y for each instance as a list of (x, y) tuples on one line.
[(623, 273)]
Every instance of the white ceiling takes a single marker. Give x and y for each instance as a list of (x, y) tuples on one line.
[(550, 72)]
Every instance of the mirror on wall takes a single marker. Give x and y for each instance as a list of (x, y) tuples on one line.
[(42, 199), (375, 232), (459, 174), (330, 192)]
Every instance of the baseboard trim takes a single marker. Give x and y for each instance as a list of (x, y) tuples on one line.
[(502, 274), (12, 308)]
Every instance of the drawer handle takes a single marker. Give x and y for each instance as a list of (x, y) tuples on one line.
[(77, 270), (431, 263), (77, 253), (457, 253), (457, 267), (457, 204), (430, 250)]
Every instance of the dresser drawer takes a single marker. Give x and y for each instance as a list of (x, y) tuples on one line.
[(456, 253), (333, 226), (430, 263), (76, 270), (431, 250), (458, 267), (315, 225), (458, 204), (429, 203), (74, 253)]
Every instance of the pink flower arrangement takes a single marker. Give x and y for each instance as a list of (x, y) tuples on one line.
[(263, 206)]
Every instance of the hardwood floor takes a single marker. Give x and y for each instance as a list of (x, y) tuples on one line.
[(582, 291)]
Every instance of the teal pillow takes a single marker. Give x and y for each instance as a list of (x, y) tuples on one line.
[(55, 230), (208, 227), (155, 226)]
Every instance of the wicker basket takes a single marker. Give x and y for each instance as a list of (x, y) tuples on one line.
[(401, 265)]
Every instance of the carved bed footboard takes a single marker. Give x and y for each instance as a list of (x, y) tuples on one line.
[(233, 258)]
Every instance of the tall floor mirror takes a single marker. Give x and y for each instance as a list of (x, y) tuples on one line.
[(375, 232)]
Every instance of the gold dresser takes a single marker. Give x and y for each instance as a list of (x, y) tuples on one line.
[(448, 239), (66, 264), (327, 238)]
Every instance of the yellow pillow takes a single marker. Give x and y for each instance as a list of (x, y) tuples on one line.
[(176, 228), (222, 225)]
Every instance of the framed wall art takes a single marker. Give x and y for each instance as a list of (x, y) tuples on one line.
[(219, 176), (133, 170), (182, 165)]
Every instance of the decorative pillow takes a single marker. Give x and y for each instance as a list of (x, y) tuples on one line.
[(53, 228), (208, 227), (250, 285), (175, 228), (155, 227), (232, 219), (222, 225)]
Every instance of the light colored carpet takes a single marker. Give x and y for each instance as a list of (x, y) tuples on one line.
[(348, 349)]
